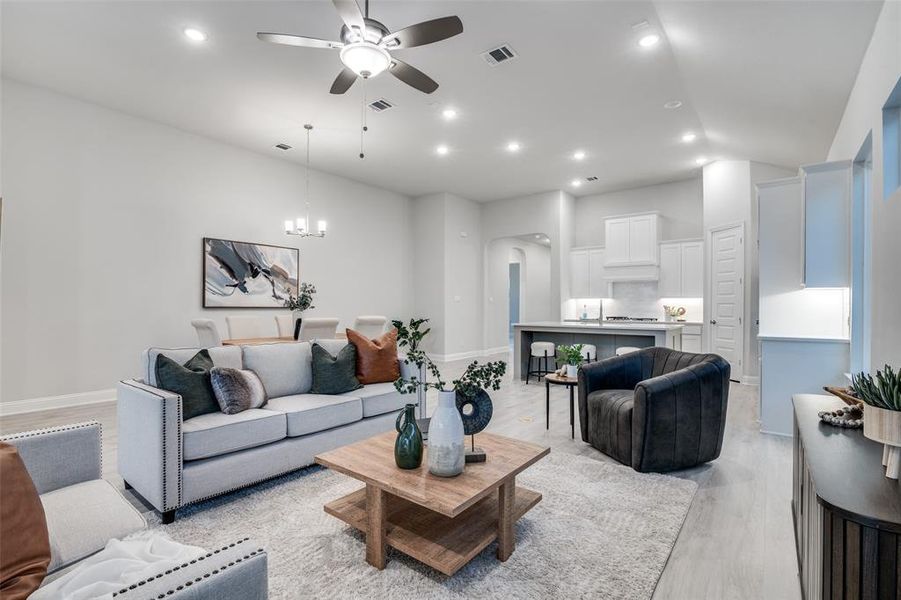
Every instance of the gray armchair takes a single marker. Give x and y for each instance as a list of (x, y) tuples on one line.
[(656, 409)]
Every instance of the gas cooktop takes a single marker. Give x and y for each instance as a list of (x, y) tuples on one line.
[(632, 319)]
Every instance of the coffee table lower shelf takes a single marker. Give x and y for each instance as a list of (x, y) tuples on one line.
[(444, 543)]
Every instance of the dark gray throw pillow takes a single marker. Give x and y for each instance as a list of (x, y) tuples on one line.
[(334, 374), (191, 381), (237, 389)]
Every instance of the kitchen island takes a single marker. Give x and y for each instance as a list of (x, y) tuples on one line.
[(607, 337)]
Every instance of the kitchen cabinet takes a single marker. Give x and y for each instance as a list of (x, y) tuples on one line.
[(681, 270), (586, 276), (691, 338), (631, 240), (826, 209)]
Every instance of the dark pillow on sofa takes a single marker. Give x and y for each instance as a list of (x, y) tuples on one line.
[(334, 374), (24, 541), (237, 389), (191, 381)]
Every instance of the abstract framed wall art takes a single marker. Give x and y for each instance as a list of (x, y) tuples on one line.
[(248, 275)]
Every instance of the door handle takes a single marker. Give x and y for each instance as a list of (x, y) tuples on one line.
[(713, 321)]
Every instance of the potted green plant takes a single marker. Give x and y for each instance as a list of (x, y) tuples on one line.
[(572, 357), (881, 396), (301, 302)]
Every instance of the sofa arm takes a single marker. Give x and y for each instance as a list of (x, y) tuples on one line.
[(616, 373), (238, 571), (150, 444), (678, 419), (58, 457)]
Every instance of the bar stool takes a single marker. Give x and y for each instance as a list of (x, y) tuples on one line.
[(541, 350), (626, 349), (589, 353)]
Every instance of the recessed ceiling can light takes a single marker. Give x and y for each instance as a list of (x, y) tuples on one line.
[(579, 155), (442, 150), (700, 160), (537, 236), (689, 137), (673, 104), (449, 114), (195, 35), (513, 147), (649, 40), (576, 182)]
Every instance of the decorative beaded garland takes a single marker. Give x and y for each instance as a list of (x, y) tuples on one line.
[(848, 417)]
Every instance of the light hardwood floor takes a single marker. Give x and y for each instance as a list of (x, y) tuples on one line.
[(737, 539)]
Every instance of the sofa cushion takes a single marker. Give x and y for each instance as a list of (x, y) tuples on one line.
[(610, 423), (380, 398), (309, 413), (223, 356), (376, 359), (81, 518), (334, 373), (217, 433), (191, 381), (24, 543), (284, 369), (237, 390)]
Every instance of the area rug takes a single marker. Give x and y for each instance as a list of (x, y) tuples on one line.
[(600, 531)]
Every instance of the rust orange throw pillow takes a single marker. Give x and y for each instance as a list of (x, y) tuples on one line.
[(24, 542), (376, 359)]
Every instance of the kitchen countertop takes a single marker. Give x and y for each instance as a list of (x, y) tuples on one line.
[(606, 326)]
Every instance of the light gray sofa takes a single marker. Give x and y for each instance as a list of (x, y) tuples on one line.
[(84, 512), (172, 463)]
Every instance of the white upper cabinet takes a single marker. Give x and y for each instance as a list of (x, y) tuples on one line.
[(579, 284), (826, 250), (597, 285), (681, 270), (631, 240)]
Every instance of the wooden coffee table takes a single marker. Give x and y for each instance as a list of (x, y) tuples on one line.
[(442, 522)]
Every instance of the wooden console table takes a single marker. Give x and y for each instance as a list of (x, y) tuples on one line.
[(847, 513)]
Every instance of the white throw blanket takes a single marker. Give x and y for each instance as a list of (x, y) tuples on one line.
[(119, 564)]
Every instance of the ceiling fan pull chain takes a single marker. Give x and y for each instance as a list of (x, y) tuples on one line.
[(364, 128)]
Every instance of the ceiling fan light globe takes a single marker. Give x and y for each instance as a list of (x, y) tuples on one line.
[(365, 59)]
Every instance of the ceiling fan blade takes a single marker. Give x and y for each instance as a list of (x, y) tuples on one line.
[(350, 13), (297, 40), (412, 76), (424, 33), (343, 81)]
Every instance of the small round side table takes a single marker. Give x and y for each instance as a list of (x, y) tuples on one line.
[(570, 382)]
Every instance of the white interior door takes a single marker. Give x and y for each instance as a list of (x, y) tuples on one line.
[(727, 265)]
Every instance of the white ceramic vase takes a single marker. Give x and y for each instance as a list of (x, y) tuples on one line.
[(447, 452), (572, 371)]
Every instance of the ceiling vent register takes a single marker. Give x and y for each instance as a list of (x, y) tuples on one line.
[(498, 55), (283, 146), (380, 105)]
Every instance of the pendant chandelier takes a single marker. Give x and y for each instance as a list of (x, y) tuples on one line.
[(300, 225)]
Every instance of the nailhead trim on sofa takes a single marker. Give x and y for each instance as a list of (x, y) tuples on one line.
[(46, 430)]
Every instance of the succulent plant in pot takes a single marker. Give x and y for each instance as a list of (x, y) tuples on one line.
[(881, 396)]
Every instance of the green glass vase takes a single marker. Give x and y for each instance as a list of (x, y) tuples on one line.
[(408, 446)]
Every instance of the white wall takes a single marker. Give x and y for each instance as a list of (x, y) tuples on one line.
[(679, 204), (462, 276), (879, 72), (535, 289), (428, 267), (101, 249)]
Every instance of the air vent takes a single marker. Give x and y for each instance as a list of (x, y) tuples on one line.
[(498, 55), (283, 146), (590, 179), (380, 105)]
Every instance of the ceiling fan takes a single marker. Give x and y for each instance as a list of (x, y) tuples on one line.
[(366, 45)]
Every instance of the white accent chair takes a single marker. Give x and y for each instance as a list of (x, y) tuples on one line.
[(207, 333), (626, 350), (371, 326), (541, 351), (318, 329), (245, 328), (285, 324), (589, 352)]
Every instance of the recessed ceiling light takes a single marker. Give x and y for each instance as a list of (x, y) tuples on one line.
[(449, 114), (689, 137), (579, 155), (195, 35), (513, 147), (537, 236), (673, 104), (576, 182), (442, 150), (700, 160), (649, 40)]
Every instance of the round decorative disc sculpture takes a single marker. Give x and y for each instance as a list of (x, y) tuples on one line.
[(476, 411)]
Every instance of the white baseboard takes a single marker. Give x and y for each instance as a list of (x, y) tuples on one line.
[(51, 402), (750, 380), (777, 433), (470, 354)]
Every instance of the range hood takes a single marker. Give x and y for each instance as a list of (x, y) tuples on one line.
[(632, 273)]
